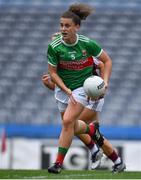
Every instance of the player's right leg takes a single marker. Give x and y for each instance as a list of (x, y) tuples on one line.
[(62, 101), (70, 116)]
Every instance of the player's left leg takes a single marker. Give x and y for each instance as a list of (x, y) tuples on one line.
[(88, 116), (108, 149), (91, 115)]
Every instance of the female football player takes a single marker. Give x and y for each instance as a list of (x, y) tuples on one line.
[(69, 64)]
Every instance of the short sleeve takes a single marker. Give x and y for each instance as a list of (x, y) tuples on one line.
[(52, 56), (95, 48)]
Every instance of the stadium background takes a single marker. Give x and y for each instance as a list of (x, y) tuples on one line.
[(28, 112)]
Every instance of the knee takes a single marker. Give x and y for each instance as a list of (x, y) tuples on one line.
[(67, 123)]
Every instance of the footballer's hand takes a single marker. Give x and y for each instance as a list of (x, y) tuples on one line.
[(69, 92), (45, 76), (106, 85), (95, 99), (55, 34), (47, 81), (73, 100)]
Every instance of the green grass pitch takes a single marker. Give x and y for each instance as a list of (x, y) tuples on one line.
[(67, 174)]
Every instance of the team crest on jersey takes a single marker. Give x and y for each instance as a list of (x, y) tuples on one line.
[(84, 52)]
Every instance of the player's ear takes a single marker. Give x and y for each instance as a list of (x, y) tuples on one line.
[(77, 27)]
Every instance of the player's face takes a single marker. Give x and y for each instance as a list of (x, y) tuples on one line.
[(68, 30)]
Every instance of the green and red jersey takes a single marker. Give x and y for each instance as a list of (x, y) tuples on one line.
[(74, 62)]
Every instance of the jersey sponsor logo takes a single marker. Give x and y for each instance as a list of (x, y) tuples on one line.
[(76, 65), (72, 52)]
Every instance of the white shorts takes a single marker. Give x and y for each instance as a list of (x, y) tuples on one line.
[(80, 96)]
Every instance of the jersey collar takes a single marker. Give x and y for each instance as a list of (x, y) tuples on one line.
[(66, 44)]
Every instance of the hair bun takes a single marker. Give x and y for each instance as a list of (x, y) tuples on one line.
[(81, 10)]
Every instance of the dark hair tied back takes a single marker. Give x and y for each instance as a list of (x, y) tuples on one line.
[(77, 12), (81, 10)]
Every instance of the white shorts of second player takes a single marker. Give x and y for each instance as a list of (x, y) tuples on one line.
[(80, 96)]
